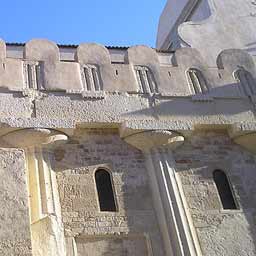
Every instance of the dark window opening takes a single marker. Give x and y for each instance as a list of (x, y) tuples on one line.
[(224, 190), (105, 191)]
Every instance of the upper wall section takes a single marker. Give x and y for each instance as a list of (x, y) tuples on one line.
[(208, 24), (92, 72), (231, 25), (175, 13)]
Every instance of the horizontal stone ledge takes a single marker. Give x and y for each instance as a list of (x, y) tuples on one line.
[(129, 126)]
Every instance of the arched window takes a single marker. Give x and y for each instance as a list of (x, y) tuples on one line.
[(246, 81), (196, 81), (105, 191), (32, 75), (92, 81), (145, 79), (224, 190)]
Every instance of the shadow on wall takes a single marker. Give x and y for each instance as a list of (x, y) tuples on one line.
[(221, 232), (198, 105)]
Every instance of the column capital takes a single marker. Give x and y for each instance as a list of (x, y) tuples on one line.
[(32, 137), (244, 135), (247, 141), (147, 140)]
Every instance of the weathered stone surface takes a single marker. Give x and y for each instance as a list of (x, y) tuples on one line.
[(42, 50), (15, 237), (92, 54), (130, 246), (78, 197), (99, 100), (218, 230)]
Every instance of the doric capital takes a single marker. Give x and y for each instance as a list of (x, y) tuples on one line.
[(32, 137), (148, 140)]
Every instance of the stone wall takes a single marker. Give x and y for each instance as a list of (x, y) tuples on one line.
[(15, 237), (41, 72), (133, 229), (220, 232)]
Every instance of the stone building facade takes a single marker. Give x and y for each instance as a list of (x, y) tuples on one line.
[(133, 151)]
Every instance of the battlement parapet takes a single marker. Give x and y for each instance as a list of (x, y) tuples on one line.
[(143, 71)]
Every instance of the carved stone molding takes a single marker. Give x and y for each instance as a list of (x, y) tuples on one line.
[(32, 137), (147, 140)]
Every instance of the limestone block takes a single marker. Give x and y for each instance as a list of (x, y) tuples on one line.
[(42, 50)]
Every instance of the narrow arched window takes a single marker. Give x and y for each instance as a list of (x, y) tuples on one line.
[(105, 191), (196, 81), (92, 81), (224, 190), (145, 79), (246, 81)]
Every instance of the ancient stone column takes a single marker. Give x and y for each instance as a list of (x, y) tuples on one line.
[(45, 214), (173, 219)]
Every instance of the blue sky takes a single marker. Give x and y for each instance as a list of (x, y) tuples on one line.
[(113, 22)]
